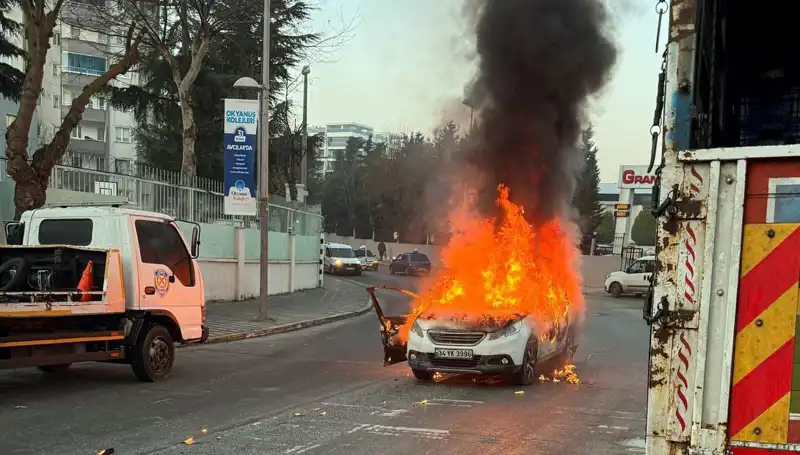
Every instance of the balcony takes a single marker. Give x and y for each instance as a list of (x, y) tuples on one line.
[(90, 114), (87, 146)]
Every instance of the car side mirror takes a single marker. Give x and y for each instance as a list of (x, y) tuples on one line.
[(14, 233), (195, 242)]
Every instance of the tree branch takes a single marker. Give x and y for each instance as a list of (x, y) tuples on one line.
[(45, 158)]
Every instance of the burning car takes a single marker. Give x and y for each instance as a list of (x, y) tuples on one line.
[(510, 344), (506, 301)]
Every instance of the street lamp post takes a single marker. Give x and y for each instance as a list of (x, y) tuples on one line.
[(263, 162), (304, 145)]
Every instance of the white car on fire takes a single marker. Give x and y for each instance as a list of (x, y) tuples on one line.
[(514, 346)]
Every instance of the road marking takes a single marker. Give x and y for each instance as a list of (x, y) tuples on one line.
[(303, 448), (386, 430), (611, 427), (443, 400)]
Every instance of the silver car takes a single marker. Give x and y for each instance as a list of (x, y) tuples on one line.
[(368, 259)]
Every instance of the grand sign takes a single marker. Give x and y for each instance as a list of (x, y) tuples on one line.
[(635, 177)]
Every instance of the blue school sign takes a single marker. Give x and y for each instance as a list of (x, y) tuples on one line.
[(241, 129)]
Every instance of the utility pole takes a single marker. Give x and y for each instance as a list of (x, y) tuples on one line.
[(304, 145), (263, 175)]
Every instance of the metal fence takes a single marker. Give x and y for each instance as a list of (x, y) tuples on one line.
[(160, 190)]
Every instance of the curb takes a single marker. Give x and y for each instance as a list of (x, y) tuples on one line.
[(286, 327)]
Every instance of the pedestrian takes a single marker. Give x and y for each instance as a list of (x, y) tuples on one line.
[(382, 249)]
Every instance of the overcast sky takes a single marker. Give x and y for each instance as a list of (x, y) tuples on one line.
[(405, 64)]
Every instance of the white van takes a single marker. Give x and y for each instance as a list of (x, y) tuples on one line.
[(368, 259), (633, 280), (340, 258)]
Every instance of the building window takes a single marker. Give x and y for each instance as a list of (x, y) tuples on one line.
[(55, 69), (10, 119), (122, 166), (123, 134), (57, 39), (101, 104), (76, 133), (74, 32), (56, 101), (85, 64)]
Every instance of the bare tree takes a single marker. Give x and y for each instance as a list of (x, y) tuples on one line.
[(32, 175)]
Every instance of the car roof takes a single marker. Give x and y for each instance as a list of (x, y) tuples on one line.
[(338, 245)]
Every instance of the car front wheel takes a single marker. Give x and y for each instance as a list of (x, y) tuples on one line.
[(527, 372), (422, 375), (615, 289)]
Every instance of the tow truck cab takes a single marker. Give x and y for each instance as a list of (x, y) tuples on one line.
[(89, 283)]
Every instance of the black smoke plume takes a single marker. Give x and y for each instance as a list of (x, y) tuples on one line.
[(539, 61)]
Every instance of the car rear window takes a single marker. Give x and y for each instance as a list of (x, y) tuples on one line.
[(66, 231), (419, 257)]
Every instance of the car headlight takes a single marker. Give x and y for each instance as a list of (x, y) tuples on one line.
[(417, 329), (338, 263), (509, 330)]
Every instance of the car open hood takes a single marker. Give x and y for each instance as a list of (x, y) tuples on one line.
[(486, 323)]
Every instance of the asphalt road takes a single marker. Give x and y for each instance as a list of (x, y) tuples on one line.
[(324, 391)]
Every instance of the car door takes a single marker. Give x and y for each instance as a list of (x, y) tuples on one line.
[(636, 277), (400, 263), (168, 279)]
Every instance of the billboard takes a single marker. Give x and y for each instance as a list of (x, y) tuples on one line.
[(635, 177), (240, 133)]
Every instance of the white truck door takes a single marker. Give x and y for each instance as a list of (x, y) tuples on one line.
[(168, 278)]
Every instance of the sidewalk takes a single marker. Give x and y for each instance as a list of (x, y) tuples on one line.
[(228, 321)]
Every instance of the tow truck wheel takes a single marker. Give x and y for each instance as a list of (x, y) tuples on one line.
[(153, 356), (527, 373), (615, 289), (55, 369), (422, 375)]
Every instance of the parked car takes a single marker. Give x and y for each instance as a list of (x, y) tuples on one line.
[(368, 259), (633, 280), (340, 259), (413, 263)]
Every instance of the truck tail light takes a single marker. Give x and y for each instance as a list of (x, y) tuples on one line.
[(203, 312)]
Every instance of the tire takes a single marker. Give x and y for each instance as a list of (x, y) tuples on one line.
[(567, 357), (55, 369), (527, 373), (20, 265), (407, 272), (154, 354), (615, 289), (422, 375)]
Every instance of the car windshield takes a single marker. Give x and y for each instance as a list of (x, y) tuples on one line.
[(342, 253)]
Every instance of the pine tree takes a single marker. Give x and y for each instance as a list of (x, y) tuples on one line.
[(587, 194), (10, 77)]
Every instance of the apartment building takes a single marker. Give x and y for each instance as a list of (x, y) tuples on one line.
[(337, 135), (104, 138)]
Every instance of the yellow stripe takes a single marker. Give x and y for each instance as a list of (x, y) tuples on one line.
[(755, 344), (756, 244), (26, 314), (59, 341), (773, 425)]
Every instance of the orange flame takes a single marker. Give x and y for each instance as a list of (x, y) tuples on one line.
[(496, 273)]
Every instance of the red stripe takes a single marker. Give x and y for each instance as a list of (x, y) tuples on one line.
[(794, 431), (768, 280), (761, 388), (754, 451)]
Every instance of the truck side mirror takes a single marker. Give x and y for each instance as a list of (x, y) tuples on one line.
[(14, 233), (195, 242)]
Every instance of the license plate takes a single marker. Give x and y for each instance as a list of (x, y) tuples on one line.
[(453, 353)]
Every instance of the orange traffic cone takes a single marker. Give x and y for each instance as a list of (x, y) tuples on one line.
[(85, 284)]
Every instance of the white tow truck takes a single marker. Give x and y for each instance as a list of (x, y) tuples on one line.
[(99, 283)]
